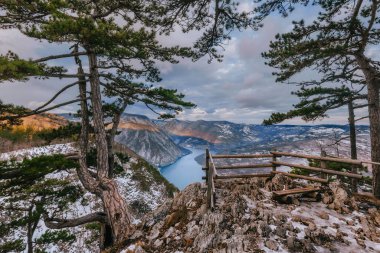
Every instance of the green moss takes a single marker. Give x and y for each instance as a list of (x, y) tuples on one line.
[(93, 226)]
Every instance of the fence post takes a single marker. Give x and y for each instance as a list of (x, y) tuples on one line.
[(323, 165), (274, 159), (207, 164), (354, 181), (208, 179)]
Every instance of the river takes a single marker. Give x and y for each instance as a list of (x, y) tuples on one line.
[(185, 170)]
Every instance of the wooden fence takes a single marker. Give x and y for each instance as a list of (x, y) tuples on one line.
[(321, 176)]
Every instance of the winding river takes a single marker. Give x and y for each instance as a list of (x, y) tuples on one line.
[(185, 170)]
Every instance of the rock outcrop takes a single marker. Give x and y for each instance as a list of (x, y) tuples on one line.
[(246, 219)]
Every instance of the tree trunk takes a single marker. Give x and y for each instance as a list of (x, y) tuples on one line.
[(354, 155), (106, 238), (115, 206), (111, 137), (373, 85), (31, 228), (30, 231), (84, 176)]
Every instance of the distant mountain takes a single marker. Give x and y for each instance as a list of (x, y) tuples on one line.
[(42, 121), (147, 139), (163, 142), (224, 134)]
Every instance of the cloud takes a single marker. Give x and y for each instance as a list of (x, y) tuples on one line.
[(240, 89)]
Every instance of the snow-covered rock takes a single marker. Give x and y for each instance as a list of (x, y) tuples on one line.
[(246, 219)]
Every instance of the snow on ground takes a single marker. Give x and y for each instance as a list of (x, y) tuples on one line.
[(340, 224), (65, 148), (87, 240), (129, 188)]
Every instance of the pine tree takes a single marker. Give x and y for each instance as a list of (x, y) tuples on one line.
[(28, 195), (334, 45), (118, 53)]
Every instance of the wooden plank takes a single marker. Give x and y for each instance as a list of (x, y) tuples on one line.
[(333, 172), (248, 166), (370, 162), (331, 159), (243, 156), (295, 191), (367, 197), (320, 180), (244, 175)]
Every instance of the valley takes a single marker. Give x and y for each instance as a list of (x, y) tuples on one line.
[(177, 147)]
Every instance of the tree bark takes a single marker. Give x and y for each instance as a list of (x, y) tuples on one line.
[(87, 180), (354, 155), (54, 223), (31, 228), (114, 204), (111, 137), (373, 85), (30, 231)]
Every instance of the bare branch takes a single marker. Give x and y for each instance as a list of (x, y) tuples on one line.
[(56, 223), (34, 112), (360, 106), (365, 117), (57, 94), (53, 57)]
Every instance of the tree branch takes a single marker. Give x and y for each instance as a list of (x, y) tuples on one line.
[(53, 57), (56, 223), (365, 117), (34, 112), (56, 95)]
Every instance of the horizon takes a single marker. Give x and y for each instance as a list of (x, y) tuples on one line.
[(240, 123)]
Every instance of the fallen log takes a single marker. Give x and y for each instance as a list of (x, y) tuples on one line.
[(333, 172), (243, 175), (295, 191), (367, 197), (315, 179)]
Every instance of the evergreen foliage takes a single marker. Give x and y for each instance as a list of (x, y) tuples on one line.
[(334, 45), (69, 131), (315, 102), (119, 41), (29, 191)]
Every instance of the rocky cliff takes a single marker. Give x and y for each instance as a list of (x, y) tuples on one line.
[(246, 219), (145, 138)]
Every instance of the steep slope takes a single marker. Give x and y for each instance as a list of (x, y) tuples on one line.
[(140, 183), (42, 121), (145, 138), (215, 132), (25, 134)]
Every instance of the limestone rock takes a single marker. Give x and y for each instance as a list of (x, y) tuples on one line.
[(271, 244)]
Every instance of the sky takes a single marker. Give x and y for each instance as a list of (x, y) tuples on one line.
[(240, 89)]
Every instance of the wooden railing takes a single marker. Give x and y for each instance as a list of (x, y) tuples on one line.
[(322, 175)]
